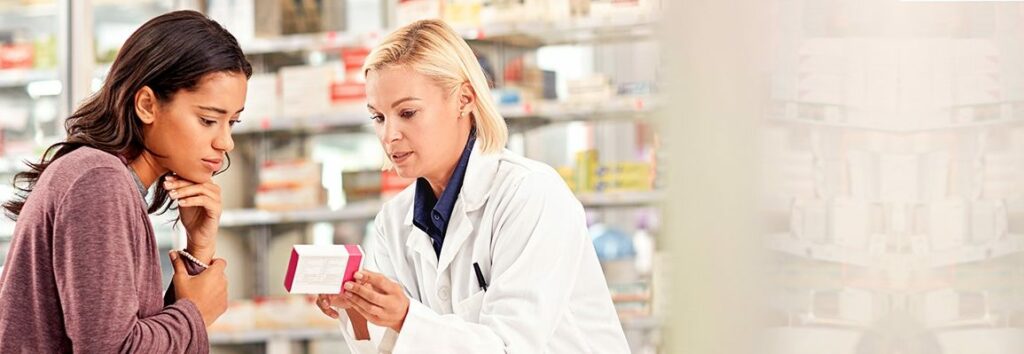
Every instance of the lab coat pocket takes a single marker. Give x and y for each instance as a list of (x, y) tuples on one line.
[(469, 309)]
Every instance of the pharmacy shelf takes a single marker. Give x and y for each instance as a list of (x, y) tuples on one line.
[(103, 11), (300, 334), (573, 31), (1009, 245), (622, 108), (10, 78), (995, 123), (6, 228), (307, 42), (321, 123), (1005, 116), (533, 34), (265, 335), (11, 165), (368, 210), (254, 217), (619, 199), (646, 322), (22, 77), (785, 243)]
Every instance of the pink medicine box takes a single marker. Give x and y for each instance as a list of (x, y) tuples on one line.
[(322, 269)]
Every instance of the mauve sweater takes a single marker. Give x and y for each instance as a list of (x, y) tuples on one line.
[(83, 273)]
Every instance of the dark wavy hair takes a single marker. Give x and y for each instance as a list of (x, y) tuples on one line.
[(169, 53)]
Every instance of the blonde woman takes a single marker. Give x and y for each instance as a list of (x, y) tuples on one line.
[(488, 251)]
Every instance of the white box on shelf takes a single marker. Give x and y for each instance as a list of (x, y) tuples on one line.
[(322, 269), (862, 170), (947, 224), (988, 220), (940, 307), (305, 90), (809, 220), (605, 9), (856, 305), (262, 99), (850, 223), (900, 176), (410, 11), (935, 174)]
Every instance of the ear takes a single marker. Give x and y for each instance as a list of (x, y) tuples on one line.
[(467, 98), (146, 105)]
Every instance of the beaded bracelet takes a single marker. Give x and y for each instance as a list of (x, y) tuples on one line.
[(193, 259)]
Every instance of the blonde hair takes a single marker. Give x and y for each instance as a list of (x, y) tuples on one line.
[(432, 48)]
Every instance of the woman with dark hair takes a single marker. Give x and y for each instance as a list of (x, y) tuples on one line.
[(83, 273)]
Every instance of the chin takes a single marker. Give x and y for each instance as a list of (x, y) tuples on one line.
[(196, 176), (404, 172)]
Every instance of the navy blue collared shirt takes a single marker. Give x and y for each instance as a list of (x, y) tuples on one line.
[(431, 214)]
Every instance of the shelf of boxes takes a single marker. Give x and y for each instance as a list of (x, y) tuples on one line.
[(619, 199), (22, 77), (575, 30), (784, 243), (1006, 246), (254, 217), (357, 118), (267, 335), (533, 33), (302, 334), (368, 210), (306, 42), (975, 116)]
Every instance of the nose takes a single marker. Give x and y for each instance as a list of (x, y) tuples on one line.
[(390, 131), (223, 141)]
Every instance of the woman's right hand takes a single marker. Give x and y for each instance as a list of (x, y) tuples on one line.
[(207, 290)]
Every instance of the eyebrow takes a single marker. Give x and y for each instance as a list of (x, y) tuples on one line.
[(393, 105), (218, 110)]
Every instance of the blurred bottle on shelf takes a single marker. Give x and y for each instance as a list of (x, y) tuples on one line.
[(616, 252), (644, 244)]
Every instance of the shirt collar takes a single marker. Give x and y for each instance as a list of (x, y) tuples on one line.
[(143, 191), (430, 211)]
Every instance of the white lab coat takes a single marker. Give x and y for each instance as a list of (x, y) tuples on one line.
[(517, 219)]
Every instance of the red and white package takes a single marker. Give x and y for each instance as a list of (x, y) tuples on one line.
[(322, 269)]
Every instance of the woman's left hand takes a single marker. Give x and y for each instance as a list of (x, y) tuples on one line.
[(199, 206), (380, 300)]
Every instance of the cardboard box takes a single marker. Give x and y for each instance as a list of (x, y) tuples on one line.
[(322, 269), (305, 90), (263, 101)]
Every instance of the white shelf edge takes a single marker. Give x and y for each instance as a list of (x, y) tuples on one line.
[(786, 243), (264, 335), (368, 210), (617, 199), (555, 111), (254, 217), (21, 77), (539, 31)]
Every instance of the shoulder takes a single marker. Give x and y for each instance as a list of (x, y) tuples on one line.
[(521, 180), (518, 172), (87, 170)]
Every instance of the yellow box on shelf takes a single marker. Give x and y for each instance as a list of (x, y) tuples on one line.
[(586, 170)]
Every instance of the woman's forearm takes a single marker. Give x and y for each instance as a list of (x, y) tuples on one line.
[(358, 324)]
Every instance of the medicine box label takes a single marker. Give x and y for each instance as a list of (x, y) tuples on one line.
[(322, 269)]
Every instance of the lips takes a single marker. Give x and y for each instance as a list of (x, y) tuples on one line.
[(398, 157), (213, 164)]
